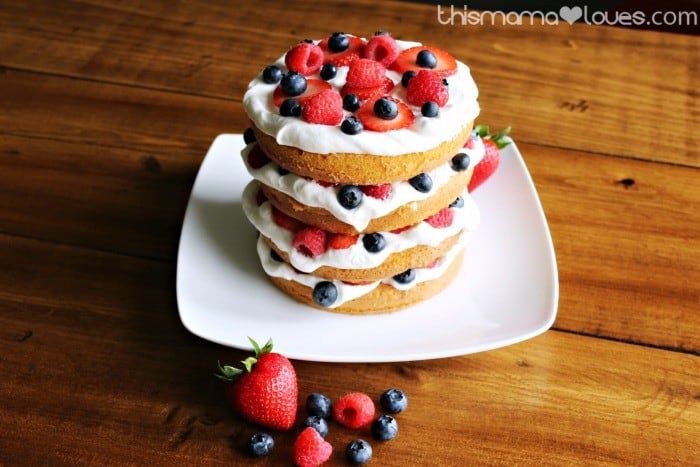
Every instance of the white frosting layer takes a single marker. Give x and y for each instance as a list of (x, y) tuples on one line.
[(426, 133), (357, 257), (310, 193), (348, 292)]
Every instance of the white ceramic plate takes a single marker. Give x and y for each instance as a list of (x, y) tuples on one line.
[(506, 292)]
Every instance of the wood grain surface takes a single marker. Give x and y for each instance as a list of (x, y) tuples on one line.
[(107, 109)]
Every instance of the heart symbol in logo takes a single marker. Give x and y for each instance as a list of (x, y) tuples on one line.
[(570, 15)]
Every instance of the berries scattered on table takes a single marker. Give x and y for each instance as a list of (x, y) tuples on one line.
[(421, 182), (317, 423), (386, 108), (374, 242), (305, 58), (272, 74), (441, 219), (325, 293), (351, 102), (310, 241), (426, 59), (393, 400), (365, 73), (342, 241), (349, 196), (381, 48), (358, 452), (319, 405), (324, 108), (372, 122), (430, 109), (385, 428), (293, 84), (382, 191), (406, 277), (260, 444), (460, 162), (351, 126), (310, 449), (290, 108), (427, 86), (354, 410), (328, 71)]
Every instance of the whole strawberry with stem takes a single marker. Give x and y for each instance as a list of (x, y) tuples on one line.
[(265, 391), (492, 157)]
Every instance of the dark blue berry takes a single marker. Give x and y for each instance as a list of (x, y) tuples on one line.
[(386, 109), (407, 77), (460, 162), (422, 183), (275, 256), (351, 126), (290, 108), (338, 42), (385, 428), (430, 109), (374, 242), (426, 59), (458, 203), (393, 400), (317, 423), (282, 171), (351, 102), (358, 452), (328, 71), (272, 74), (249, 136), (293, 84), (475, 135), (319, 405), (444, 81), (405, 277), (325, 293), (260, 444), (349, 196)]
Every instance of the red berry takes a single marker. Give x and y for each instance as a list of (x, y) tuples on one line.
[(401, 229), (284, 221), (313, 87), (310, 449), (342, 241), (469, 144), (433, 263), (446, 63), (372, 122), (486, 166), (324, 184), (257, 158), (364, 94), (347, 56), (325, 108), (377, 191), (381, 48), (306, 58), (365, 73), (354, 410), (441, 219), (427, 86), (310, 241)]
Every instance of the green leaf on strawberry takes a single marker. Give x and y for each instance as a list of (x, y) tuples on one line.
[(493, 143)]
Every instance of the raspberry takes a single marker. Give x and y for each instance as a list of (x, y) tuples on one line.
[(325, 108), (305, 58), (382, 49), (377, 191), (365, 73), (354, 410), (342, 241), (285, 221), (310, 449), (427, 86), (441, 219), (257, 158), (310, 241)]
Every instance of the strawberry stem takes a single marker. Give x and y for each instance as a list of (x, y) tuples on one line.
[(229, 373), (499, 138)]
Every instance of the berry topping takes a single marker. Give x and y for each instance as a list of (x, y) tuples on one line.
[(325, 108), (293, 84), (393, 400), (364, 94), (351, 126), (492, 157), (260, 197), (338, 42), (374, 242), (358, 452), (328, 71), (445, 65), (257, 158), (458, 203), (344, 57), (460, 162), (381, 48), (284, 221), (349, 196), (430, 109), (385, 428), (313, 87), (354, 410), (381, 32), (318, 424), (406, 77), (365, 73), (310, 449), (290, 108), (427, 86), (310, 241), (282, 171), (382, 191), (469, 144), (260, 445), (441, 219), (275, 256), (325, 293), (305, 58), (342, 241), (426, 59), (372, 122), (405, 277), (386, 108), (272, 74), (249, 136), (401, 229), (319, 405), (422, 182), (351, 102)]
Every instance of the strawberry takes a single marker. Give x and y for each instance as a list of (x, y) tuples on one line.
[(488, 165), (372, 122), (257, 158), (325, 108), (433, 263), (354, 410), (305, 58), (427, 86), (365, 73), (401, 229), (310, 449), (265, 391), (382, 48), (313, 87), (347, 56), (342, 241), (377, 191), (446, 63), (469, 144), (324, 183), (311, 241), (364, 94), (442, 218), (284, 221)]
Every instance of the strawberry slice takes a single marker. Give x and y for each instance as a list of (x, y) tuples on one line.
[(372, 122), (492, 157), (446, 63), (345, 57), (313, 87), (369, 93), (342, 241)]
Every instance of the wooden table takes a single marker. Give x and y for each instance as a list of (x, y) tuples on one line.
[(107, 109)]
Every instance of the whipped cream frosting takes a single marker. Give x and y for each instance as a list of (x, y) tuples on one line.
[(426, 133), (310, 193)]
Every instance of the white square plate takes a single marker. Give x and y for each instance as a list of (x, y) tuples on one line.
[(506, 292)]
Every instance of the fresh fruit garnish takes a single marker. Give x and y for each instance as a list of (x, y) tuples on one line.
[(365, 73), (317, 423), (430, 109), (342, 241), (265, 390), (406, 77), (426, 59), (377, 191), (310, 241), (272, 74), (354, 410), (324, 108), (401, 229), (358, 452), (408, 60), (421, 182), (328, 71), (249, 136), (371, 121), (427, 86), (293, 84), (381, 48), (364, 94), (441, 219), (460, 162), (276, 256), (290, 108), (351, 102), (351, 126), (457, 203), (405, 277), (305, 58), (492, 157), (385, 428), (324, 184), (318, 404), (313, 87), (374, 242), (260, 444), (386, 108), (310, 449), (284, 221), (257, 158), (349, 196), (325, 293), (393, 400), (343, 57), (338, 42)]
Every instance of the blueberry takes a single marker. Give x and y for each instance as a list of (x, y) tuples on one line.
[(325, 293), (358, 452), (430, 109), (319, 405), (458, 203), (393, 400), (386, 109), (275, 256), (317, 423), (444, 81), (385, 428), (374, 242), (460, 162), (338, 42), (351, 102), (293, 84), (260, 444), (405, 277), (272, 74), (351, 126), (407, 77), (422, 183), (328, 71), (290, 108), (249, 136), (350, 196), (426, 59), (282, 171)]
